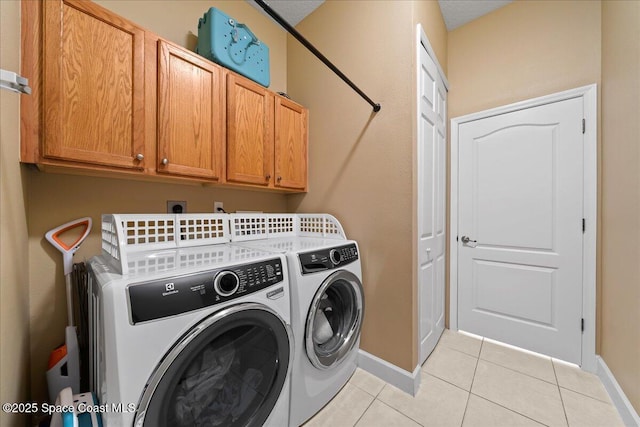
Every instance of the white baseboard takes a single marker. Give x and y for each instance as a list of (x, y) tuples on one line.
[(398, 377), (625, 409)]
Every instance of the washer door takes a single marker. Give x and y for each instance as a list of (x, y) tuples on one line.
[(228, 370), (334, 319)]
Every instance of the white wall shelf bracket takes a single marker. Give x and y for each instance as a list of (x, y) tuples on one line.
[(14, 82)]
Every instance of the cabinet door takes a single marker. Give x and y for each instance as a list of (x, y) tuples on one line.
[(290, 144), (190, 114), (249, 132), (93, 86)]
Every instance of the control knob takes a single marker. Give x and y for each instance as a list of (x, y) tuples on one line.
[(226, 283), (335, 256)]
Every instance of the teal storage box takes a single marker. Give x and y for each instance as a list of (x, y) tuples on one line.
[(231, 44)]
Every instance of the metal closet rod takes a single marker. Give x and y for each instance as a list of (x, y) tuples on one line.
[(280, 20)]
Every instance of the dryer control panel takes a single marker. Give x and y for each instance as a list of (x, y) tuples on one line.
[(175, 295), (327, 259)]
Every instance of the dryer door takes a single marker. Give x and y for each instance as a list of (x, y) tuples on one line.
[(334, 319), (228, 370)]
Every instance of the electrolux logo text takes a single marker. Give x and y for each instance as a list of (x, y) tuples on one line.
[(170, 289)]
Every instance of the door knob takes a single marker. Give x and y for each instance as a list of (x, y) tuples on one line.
[(466, 240), (165, 161), (139, 157)]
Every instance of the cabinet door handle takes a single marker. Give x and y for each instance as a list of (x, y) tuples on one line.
[(139, 156), (279, 178), (165, 161), (268, 177)]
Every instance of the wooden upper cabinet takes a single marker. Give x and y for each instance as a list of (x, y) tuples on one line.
[(266, 137), (290, 144), (190, 128), (112, 98), (93, 74), (249, 132)]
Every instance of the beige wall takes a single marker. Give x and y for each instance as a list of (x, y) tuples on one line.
[(521, 51), (177, 21), (14, 274), (620, 343), (55, 199), (361, 165)]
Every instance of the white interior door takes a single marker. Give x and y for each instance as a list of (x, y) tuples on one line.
[(432, 111), (520, 228)]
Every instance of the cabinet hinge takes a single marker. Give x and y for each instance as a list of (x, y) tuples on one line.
[(584, 125), (584, 225), (582, 324)]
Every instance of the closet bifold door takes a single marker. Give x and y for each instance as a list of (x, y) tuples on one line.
[(93, 86), (190, 114), (249, 132)]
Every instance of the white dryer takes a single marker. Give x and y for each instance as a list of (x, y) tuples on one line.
[(327, 302), (188, 336)]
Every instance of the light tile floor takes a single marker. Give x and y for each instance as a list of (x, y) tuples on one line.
[(475, 383)]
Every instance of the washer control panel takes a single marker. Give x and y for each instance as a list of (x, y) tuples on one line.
[(175, 295), (327, 259)]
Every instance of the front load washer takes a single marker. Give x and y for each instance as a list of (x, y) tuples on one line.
[(327, 305), (188, 335)]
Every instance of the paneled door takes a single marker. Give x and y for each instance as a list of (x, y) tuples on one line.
[(249, 132), (290, 144), (520, 228), (93, 86), (432, 150), (190, 114)]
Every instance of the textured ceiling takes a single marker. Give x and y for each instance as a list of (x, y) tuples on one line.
[(458, 12), (293, 11), (455, 12)]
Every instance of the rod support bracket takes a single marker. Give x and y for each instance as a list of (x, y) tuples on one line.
[(376, 108)]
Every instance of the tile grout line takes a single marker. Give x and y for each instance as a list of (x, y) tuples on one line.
[(365, 411), (523, 373), (399, 412), (580, 393), (509, 409), (375, 396), (469, 392), (447, 381), (471, 386), (512, 370), (496, 403), (460, 351), (564, 409), (609, 402), (442, 379)]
